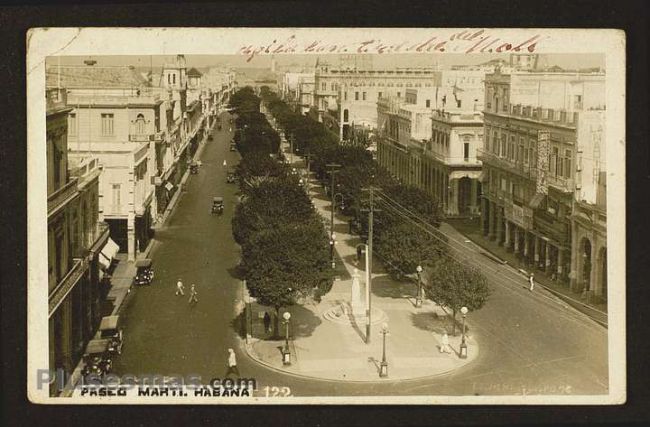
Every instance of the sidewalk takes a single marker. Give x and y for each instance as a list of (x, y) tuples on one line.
[(470, 229), (328, 344)]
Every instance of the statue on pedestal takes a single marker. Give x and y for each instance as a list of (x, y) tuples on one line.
[(356, 301)]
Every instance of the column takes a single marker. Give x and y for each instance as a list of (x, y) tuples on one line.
[(593, 276), (499, 224), (536, 250), (560, 262), (547, 257), (453, 202), (491, 219), (506, 243), (473, 196), (484, 217), (526, 245), (130, 235), (516, 240)]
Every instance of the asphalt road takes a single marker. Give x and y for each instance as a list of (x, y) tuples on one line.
[(529, 343)]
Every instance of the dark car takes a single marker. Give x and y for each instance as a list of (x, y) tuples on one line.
[(233, 147)]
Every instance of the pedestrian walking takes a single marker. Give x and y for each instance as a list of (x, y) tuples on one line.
[(444, 344), (267, 322), (532, 282), (224, 163), (180, 288), (232, 363), (193, 295)]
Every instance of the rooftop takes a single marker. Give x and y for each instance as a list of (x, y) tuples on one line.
[(93, 77)]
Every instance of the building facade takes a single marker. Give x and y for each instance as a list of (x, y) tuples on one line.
[(77, 242), (430, 139), (115, 118), (532, 133), (351, 93)]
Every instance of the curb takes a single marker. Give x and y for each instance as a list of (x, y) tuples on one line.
[(249, 352), (584, 307)]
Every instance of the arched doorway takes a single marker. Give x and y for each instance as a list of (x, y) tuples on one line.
[(602, 264), (585, 253)]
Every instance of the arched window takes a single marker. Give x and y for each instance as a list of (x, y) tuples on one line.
[(140, 125)]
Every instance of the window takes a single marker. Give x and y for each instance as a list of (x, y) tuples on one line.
[(174, 78), (356, 96), (503, 146), (364, 96), (324, 86), (107, 124), (379, 95), (333, 87), (553, 162), (345, 96), (399, 94), (72, 124), (116, 196), (466, 151), (169, 79), (567, 164), (526, 152), (140, 125), (428, 103)]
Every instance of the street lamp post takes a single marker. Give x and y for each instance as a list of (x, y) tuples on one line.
[(463, 344), (368, 289), (286, 353), (332, 243), (418, 299), (383, 367)]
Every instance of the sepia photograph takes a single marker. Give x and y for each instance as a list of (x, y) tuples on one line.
[(342, 216)]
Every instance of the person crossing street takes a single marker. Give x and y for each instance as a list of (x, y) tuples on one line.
[(193, 295), (232, 363), (531, 281), (180, 289)]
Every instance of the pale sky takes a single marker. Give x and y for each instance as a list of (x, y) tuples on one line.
[(567, 61)]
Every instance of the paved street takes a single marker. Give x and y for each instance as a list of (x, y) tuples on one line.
[(530, 342)]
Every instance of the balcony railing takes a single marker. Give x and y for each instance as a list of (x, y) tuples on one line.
[(565, 185), (520, 169), (62, 196), (63, 288)]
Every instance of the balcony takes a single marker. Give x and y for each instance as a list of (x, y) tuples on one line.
[(549, 226), (62, 196), (565, 185), (95, 240), (63, 288), (489, 158), (141, 137)]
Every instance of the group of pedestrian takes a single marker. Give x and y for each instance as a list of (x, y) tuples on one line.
[(180, 290), (232, 358)]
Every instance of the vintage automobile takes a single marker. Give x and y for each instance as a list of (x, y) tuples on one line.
[(109, 329), (194, 168), (233, 146), (97, 359), (230, 178), (144, 272), (217, 205)]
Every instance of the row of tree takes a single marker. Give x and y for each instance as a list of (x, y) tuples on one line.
[(285, 249), (406, 218)]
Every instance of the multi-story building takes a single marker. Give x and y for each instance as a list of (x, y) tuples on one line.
[(532, 128), (589, 216), (289, 86), (115, 118), (350, 94), (78, 243), (430, 139)]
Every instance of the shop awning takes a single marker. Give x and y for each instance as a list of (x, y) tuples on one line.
[(107, 253), (536, 200)]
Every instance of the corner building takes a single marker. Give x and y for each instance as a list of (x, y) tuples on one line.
[(532, 133)]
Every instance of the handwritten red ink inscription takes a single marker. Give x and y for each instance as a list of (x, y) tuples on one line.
[(467, 41)]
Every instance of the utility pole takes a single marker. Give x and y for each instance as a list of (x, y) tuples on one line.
[(371, 220), (333, 169)]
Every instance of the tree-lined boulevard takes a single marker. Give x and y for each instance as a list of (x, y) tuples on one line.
[(271, 235)]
